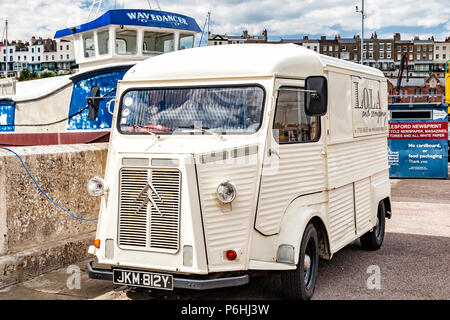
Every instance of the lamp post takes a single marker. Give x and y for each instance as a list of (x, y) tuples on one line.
[(6, 47), (363, 15)]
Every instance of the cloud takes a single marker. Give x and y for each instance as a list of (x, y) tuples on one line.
[(280, 18)]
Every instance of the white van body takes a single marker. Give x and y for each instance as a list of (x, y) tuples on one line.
[(335, 182)]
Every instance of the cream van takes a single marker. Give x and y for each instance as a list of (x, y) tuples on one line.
[(231, 159)]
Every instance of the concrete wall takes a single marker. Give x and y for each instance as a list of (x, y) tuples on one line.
[(28, 221)]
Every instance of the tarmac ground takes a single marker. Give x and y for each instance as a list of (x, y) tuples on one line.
[(413, 262)]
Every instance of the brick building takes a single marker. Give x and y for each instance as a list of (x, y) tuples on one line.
[(421, 88)]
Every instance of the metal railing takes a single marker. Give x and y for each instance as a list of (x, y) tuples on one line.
[(427, 98)]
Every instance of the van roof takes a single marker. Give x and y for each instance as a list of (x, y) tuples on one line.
[(239, 61)]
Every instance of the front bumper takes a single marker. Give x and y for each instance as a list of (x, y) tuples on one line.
[(181, 283)]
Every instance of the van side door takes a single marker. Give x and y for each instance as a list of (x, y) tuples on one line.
[(294, 157)]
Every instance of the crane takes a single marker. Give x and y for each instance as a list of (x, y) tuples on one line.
[(403, 65)]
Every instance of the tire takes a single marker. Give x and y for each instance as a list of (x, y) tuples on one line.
[(373, 239), (299, 284)]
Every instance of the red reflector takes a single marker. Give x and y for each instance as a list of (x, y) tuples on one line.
[(231, 255), (97, 243)]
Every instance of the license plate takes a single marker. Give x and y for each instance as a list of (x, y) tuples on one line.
[(143, 279)]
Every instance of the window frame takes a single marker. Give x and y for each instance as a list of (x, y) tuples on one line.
[(117, 37), (226, 86), (319, 136), (85, 50)]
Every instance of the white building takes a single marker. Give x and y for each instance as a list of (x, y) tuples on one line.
[(441, 56), (65, 55), (36, 54), (7, 58)]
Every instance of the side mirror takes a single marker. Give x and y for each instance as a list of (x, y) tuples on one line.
[(316, 96), (94, 103)]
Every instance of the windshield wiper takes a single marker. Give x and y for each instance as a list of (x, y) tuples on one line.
[(144, 129), (204, 129)]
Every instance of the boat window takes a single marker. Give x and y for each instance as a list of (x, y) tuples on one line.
[(221, 110), (103, 42), (157, 42), (153, 42), (126, 41), (186, 41), (291, 124), (89, 45)]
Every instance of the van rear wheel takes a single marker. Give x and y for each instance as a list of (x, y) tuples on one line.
[(373, 239), (299, 284)]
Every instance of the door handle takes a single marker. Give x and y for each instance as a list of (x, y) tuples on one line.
[(273, 151)]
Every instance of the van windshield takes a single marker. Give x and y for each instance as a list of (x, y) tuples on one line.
[(225, 110)]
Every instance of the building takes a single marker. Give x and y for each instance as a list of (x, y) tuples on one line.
[(423, 54), (65, 56), (38, 56), (245, 38), (8, 51), (350, 49), (379, 53), (441, 56), (311, 44), (217, 39), (421, 88), (330, 47)]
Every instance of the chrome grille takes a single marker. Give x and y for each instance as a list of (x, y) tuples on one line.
[(132, 223), (147, 228), (164, 227)]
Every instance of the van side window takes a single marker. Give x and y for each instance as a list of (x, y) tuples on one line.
[(291, 124)]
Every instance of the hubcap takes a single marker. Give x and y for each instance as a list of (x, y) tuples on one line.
[(378, 228), (307, 262)]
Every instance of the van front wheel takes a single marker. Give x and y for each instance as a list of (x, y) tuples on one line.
[(373, 239), (299, 284)]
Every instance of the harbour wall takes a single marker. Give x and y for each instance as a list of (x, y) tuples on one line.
[(35, 235)]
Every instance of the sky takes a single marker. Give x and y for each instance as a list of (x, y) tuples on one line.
[(281, 18)]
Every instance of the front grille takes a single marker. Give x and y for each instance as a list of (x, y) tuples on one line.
[(147, 228), (133, 224)]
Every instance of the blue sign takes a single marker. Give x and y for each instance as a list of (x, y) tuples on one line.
[(7, 115), (130, 17), (418, 142)]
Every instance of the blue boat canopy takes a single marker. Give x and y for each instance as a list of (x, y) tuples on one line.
[(135, 17)]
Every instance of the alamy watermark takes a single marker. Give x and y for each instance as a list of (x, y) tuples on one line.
[(74, 280), (374, 280)]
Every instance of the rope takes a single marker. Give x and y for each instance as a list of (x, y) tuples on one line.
[(40, 190)]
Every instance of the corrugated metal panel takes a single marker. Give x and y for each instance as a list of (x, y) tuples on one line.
[(348, 162), (363, 204), (145, 227), (227, 226), (341, 216), (164, 227), (301, 170), (132, 223)]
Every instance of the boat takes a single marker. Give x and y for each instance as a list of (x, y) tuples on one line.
[(58, 110)]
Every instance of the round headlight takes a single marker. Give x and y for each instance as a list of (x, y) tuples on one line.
[(96, 187), (226, 192)]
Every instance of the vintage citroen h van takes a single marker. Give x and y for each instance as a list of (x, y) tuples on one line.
[(229, 159)]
